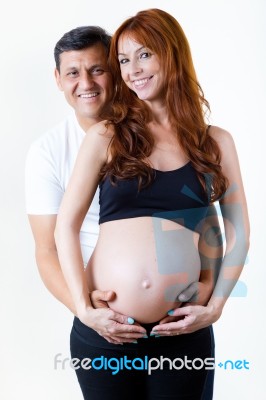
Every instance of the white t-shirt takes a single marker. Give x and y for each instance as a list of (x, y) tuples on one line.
[(49, 163)]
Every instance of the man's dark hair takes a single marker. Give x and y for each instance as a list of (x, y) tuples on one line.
[(81, 38)]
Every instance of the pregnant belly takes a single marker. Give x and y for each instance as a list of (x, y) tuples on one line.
[(147, 262)]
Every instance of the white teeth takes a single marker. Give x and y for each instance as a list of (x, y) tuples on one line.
[(88, 95), (141, 82)]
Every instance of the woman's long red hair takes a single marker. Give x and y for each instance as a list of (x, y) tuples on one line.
[(132, 142)]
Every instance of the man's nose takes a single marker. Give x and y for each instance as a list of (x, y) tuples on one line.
[(86, 81)]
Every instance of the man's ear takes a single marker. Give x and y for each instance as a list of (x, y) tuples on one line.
[(58, 79)]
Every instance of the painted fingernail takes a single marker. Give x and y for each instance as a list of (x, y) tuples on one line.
[(157, 336), (145, 336), (130, 320), (170, 312), (135, 342), (152, 333)]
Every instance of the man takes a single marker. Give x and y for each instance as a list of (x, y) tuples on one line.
[(82, 74)]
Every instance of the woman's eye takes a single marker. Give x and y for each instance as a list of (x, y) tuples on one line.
[(145, 55), (123, 60)]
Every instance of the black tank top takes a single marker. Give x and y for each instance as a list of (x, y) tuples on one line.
[(176, 195)]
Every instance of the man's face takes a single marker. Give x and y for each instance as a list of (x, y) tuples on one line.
[(86, 82)]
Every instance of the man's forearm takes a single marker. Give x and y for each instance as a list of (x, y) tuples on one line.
[(53, 278)]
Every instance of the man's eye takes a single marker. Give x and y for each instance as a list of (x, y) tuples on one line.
[(72, 73), (98, 71)]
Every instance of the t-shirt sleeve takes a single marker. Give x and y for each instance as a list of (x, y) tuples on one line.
[(43, 190)]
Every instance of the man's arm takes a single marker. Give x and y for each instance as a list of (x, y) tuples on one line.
[(43, 194), (43, 227)]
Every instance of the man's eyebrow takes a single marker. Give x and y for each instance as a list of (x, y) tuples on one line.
[(97, 66), (69, 68), (76, 67), (104, 67)]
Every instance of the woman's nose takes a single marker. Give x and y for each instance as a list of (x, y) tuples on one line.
[(135, 68)]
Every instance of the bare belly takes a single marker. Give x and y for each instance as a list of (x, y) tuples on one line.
[(147, 262)]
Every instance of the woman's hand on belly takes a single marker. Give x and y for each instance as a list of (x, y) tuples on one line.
[(113, 326), (188, 319), (192, 316)]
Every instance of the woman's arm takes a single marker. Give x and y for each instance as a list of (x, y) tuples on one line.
[(210, 247), (236, 224), (75, 204)]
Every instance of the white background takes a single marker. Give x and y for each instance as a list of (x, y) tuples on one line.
[(228, 46)]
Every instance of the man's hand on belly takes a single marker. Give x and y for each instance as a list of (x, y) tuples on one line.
[(100, 298), (197, 293)]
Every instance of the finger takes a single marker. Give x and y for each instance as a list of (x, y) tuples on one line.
[(122, 339), (194, 299), (165, 327), (99, 298), (112, 340), (190, 292), (174, 326), (137, 324), (182, 311), (127, 324), (126, 332), (167, 319), (131, 336)]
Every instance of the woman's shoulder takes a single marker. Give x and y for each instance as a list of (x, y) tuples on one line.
[(223, 138), (97, 140), (226, 145), (101, 129), (99, 135)]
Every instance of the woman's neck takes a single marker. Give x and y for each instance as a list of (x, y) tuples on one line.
[(159, 112)]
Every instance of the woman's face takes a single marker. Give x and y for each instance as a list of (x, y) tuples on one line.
[(140, 69)]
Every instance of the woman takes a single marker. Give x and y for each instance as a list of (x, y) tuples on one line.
[(160, 168)]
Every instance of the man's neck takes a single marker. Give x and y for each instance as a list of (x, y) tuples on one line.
[(86, 123)]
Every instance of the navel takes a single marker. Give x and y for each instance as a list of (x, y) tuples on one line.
[(146, 284)]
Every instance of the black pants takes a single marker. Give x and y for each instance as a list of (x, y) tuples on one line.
[(176, 374)]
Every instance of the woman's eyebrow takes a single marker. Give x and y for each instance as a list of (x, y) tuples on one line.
[(136, 51)]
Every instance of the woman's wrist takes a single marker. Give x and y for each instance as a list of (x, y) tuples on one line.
[(215, 308), (84, 313)]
